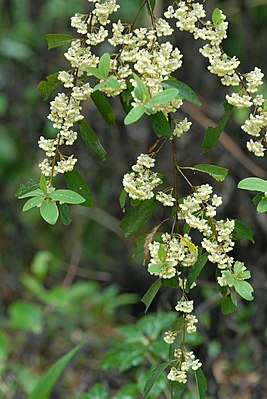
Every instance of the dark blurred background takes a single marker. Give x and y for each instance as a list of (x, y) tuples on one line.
[(92, 251)]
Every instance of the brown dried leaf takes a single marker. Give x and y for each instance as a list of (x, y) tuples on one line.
[(149, 239)]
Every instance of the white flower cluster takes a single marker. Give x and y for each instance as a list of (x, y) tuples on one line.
[(165, 199), (189, 16), (140, 183), (169, 337), (198, 211), (186, 360), (178, 252), (181, 127)]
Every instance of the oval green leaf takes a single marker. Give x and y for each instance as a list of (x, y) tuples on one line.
[(137, 216), (217, 172), (160, 125), (49, 212), (91, 140), (104, 107), (244, 289), (164, 96), (152, 379), (58, 39), (262, 206), (201, 383), (32, 203), (77, 183), (185, 92), (67, 197), (134, 115), (151, 293), (253, 184)]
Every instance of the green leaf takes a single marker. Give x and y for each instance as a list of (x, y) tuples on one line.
[(32, 203), (195, 270), (45, 385), (162, 254), (171, 282), (65, 214), (25, 316), (244, 289), (49, 212), (97, 392), (34, 193), (104, 107), (42, 184), (96, 72), (238, 268), (49, 85), (164, 96), (177, 389), (67, 197), (241, 231), (160, 125), (262, 206), (77, 183), (104, 64), (26, 188), (137, 216), (140, 90), (258, 197), (253, 184), (152, 379), (216, 16), (122, 199), (91, 140), (212, 134), (135, 114), (155, 267), (151, 293), (185, 92), (113, 82), (227, 305), (126, 99), (201, 383), (58, 39), (152, 4), (217, 172)]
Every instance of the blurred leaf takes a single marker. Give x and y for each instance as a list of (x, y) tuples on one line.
[(241, 231), (228, 306), (67, 197), (164, 96), (31, 185), (258, 197), (184, 92), (155, 373), (49, 85), (253, 184), (77, 183), (216, 16), (15, 49), (262, 206), (58, 39), (137, 216), (151, 293), (65, 214), (126, 99), (25, 316), (122, 199), (217, 172), (104, 64), (49, 211), (212, 134), (201, 383), (160, 125), (176, 389), (91, 140), (45, 385), (42, 262), (104, 107), (134, 115), (98, 392), (195, 270), (171, 282), (4, 350), (244, 289)]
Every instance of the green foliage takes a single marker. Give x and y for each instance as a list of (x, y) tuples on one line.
[(25, 316), (195, 270), (217, 172), (137, 216), (45, 385), (253, 184), (49, 85), (160, 125), (241, 231), (104, 107), (147, 299), (201, 383), (134, 115), (216, 16), (153, 377), (212, 134), (184, 91), (77, 183), (58, 39), (91, 140)]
